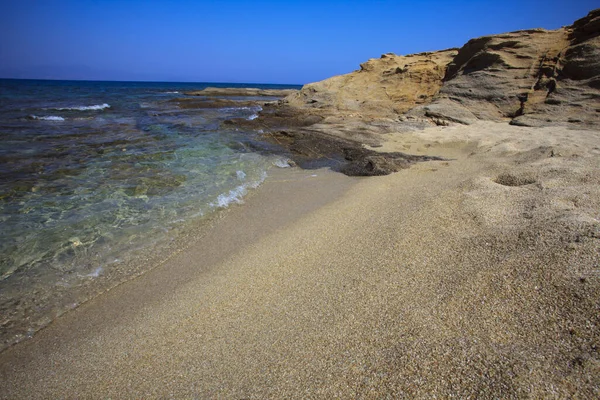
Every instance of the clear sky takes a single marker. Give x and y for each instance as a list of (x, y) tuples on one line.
[(246, 41)]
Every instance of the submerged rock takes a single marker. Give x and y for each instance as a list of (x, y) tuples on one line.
[(194, 102), (241, 92)]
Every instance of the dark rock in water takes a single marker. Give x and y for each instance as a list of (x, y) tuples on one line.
[(194, 102), (312, 143), (278, 117), (364, 162), (241, 92), (310, 149)]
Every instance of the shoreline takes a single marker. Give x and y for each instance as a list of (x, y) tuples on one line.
[(47, 274), (446, 277), (141, 261), (212, 239)]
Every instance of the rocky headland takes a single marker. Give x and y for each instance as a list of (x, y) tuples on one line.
[(530, 78), (533, 77)]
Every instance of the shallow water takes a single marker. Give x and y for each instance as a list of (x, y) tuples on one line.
[(97, 179)]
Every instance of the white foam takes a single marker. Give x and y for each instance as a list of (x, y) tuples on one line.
[(48, 118), (243, 108), (84, 108), (255, 109), (282, 163), (236, 109), (96, 273), (240, 175), (172, 92), (236, 195)]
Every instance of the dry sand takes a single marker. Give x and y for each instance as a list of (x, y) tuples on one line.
[(475, 277)]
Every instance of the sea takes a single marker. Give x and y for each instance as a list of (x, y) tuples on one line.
[(99, 181)]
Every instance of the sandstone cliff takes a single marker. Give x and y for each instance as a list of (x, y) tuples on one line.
[(389, 85), (532, 77)]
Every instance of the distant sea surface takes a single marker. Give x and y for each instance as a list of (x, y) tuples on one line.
[(98, 179)]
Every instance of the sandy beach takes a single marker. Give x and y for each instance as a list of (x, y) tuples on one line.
[(476, 277)]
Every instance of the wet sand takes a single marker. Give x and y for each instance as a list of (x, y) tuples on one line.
[(475, 277)]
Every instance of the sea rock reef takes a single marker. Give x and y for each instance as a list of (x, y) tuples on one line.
[(213, 91)]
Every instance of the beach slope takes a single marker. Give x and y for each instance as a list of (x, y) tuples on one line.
[(477, 276)]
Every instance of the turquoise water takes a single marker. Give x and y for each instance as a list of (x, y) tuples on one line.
[(98, 179)]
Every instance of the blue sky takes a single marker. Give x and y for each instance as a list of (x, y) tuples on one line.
[(245, 41)]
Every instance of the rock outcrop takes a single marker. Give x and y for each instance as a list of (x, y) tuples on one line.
[(386, 86), (347, 156), (531, 77), (534, 77)]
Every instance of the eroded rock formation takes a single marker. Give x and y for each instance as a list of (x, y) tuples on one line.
[(531, 77), (386, 86)]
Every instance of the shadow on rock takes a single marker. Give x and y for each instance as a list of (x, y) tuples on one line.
[(312, 150)]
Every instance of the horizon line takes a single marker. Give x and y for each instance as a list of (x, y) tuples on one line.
[(147, 81)]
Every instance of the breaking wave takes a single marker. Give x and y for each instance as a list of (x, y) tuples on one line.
[(47, 118), (84, 108), (283, 163), (236, 195)]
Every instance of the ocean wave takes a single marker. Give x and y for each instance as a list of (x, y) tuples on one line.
[(242, 108), (236, 195), (95, 273), (96, 107), (283, 163), (253, 116), (236, 109), (47, 118)]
